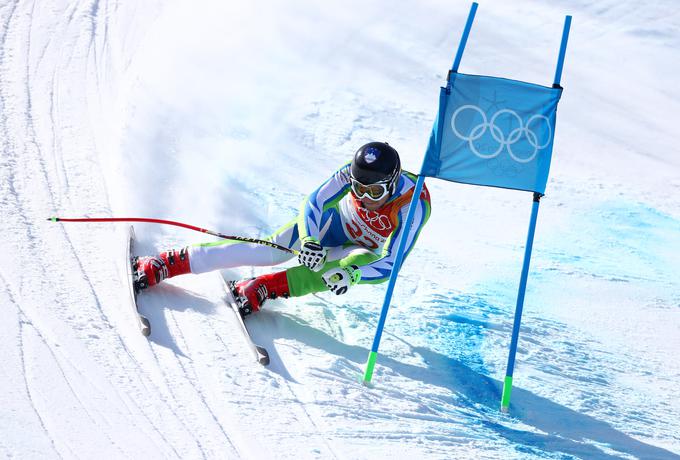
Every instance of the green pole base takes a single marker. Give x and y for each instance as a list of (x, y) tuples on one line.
[(507, 389), (370, 365)]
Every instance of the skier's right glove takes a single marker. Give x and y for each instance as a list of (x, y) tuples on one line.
[(340, 279), (312, 254)]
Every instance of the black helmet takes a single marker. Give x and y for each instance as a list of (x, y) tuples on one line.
[(375, 163)]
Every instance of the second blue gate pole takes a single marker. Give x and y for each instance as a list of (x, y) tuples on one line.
[(507, 383)]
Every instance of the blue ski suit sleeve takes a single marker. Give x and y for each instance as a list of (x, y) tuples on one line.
[(327, 195)]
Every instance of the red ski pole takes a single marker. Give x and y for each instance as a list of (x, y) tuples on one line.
[(176, 224)]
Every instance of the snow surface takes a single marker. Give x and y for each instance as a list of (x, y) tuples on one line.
[(224, 115)]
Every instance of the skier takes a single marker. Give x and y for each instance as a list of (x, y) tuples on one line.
[(346, 233)]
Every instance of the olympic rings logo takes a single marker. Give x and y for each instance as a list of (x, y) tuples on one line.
[(515, 135), (376, 220)]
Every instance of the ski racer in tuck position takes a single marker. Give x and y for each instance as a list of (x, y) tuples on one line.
[(346, 233)]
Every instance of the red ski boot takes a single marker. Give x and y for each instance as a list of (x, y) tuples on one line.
[(250, 294), (150, 270)]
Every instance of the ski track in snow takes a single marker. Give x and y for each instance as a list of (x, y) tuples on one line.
[(22, 322), (197, 387), (111, 108)]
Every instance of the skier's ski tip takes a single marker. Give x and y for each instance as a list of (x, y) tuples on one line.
[(261, 353), (142, 321)]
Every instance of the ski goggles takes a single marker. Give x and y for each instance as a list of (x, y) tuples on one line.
[(375, 192)]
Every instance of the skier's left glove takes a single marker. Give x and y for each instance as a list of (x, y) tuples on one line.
[(339, 280)]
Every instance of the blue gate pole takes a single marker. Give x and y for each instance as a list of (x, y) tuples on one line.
[(507, 383), (563, 50), (373, 355), (463, 39)]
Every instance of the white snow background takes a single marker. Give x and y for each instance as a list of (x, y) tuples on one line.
[(224, 115)]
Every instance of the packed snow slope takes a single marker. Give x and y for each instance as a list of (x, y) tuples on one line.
[(224, 115)]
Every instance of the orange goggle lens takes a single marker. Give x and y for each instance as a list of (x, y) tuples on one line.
[(375, 192)]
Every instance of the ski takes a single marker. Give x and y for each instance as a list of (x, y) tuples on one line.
[(142, 321), (261, 354)]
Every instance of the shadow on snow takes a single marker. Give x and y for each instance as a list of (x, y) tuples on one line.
[(568, 430)]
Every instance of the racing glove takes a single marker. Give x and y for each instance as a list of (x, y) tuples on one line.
[(339, 280), (312, 254)]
